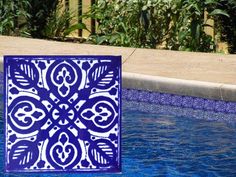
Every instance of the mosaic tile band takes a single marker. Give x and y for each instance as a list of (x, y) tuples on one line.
[(157, 109), (179, 101)]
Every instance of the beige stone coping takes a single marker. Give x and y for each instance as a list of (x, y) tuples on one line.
[(208, 90), (185, 73), (207, 67)]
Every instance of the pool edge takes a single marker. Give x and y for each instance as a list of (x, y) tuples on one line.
[(209, 90)]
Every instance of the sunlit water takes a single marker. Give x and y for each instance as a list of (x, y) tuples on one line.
[(165, 145)]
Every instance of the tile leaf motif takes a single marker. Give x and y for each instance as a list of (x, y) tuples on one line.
[(62, 113)]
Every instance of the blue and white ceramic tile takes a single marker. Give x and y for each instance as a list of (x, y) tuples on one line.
[(62, 113)]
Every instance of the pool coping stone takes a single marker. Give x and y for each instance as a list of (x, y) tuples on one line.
[(209, 90)]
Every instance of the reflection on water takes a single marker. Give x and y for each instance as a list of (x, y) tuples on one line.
[(160, 120)]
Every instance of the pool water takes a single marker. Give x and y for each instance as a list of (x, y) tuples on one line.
[(165, 144)]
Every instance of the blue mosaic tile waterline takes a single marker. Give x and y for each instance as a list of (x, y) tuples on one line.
[(62, 113), (194, 103)]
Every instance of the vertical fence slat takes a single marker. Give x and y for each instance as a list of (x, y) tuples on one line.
[(93, 22), (86, 6), (209, 30), (73, 8), (80, 12)]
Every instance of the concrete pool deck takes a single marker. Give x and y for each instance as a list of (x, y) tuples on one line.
[(185, 73)]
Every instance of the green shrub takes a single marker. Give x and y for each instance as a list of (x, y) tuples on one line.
[(172, 24), (227, 26), (57, 23), (130, 23), (50, 19), (12, 16), (187, 28), (40, 11)]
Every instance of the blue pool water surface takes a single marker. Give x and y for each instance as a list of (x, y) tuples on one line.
[(161, 143)]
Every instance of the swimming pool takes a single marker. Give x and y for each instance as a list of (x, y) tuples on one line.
[(162, 137)]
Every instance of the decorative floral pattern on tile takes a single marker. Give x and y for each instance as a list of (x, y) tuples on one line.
[(180, 101), (62, 113)]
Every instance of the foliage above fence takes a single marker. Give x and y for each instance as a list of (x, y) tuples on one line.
[(169, 24), (37, 19), (175, 25)]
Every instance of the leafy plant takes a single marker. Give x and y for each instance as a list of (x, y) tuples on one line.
[(176, 25), (170, 24), (37, 19), (12, 15), (187, 30), (57, 23), (51, 20), (227, 26), (130, 23), (40, 11)]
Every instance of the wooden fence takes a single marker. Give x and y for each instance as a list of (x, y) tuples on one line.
[(77, 8)]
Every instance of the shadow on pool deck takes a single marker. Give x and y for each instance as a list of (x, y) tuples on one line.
[(185, 73)]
